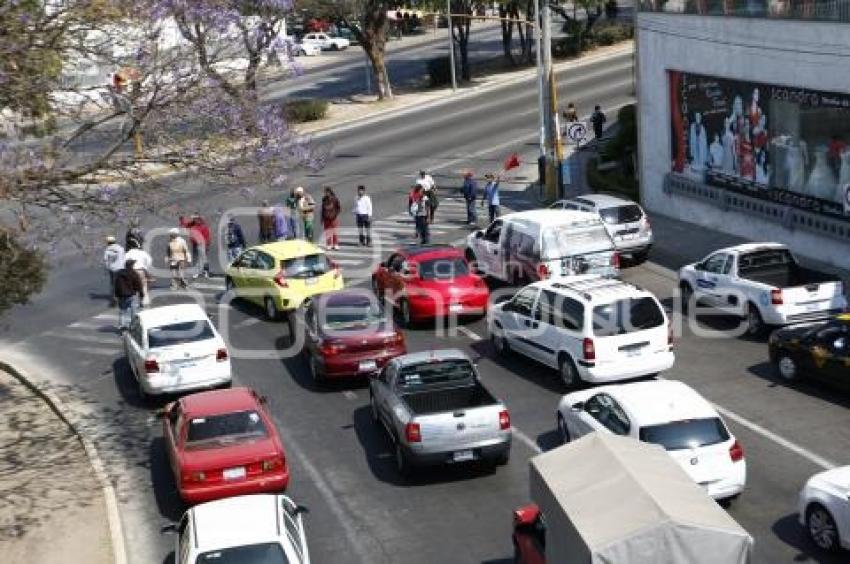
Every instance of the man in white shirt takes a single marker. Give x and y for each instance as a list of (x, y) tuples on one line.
[(113, 261), (363, 214), (142, 263)]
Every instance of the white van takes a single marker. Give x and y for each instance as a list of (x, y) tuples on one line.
[(540, 244)]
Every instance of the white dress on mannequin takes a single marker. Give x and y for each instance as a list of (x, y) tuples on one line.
[(821, 183), (843, 177), (794, 167)]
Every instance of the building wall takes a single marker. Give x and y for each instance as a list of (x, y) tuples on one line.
[(800, 54)]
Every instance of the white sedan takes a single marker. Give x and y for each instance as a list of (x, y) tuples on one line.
[(667, 413), (306, 50), (264, 528), (176, 348), (325, 41), (824, 508)]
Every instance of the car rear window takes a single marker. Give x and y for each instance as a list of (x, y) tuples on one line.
[(307, 266), (447, 268), (768, 257), (421, 376), (265, 553), (626, 316), (680, 435), (569, 240), (180, 333), (352, 316), (621, 214), (227, 427)]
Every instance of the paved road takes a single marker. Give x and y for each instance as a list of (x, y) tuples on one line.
[(342, 468)]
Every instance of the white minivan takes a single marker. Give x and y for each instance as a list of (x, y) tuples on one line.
[(541, 244)]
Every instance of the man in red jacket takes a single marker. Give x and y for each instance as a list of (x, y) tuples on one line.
[(199, 234)]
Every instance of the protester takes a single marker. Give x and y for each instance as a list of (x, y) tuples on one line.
[(178, 257), (113, 262), (143, 263), (413, 198), (363, 216), (421, 209), (470, 191), (199, 235), (598, 119), (330, 218), (491, 195), (281, 224), (429, 187), (265, 220), (234, 239), (128, 285), (306, 209)]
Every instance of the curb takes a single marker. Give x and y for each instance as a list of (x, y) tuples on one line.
[(116, 533)]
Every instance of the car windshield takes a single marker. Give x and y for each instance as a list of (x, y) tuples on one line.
[(179, 333), (680, 435), (353, 316), (306, 267), (226, 428), (626, 316), (419, 377), (265, 553), (447, 268), (569, 240), (621, 214)]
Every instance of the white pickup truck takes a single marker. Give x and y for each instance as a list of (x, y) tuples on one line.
[(762, 283)]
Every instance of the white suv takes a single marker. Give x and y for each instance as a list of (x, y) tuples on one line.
[(625, 221), (325, 42), (590, 328)]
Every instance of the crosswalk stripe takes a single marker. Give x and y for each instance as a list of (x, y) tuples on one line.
[(107, 316), (100, 351), (82, 337), (207, 285), (348, 262)]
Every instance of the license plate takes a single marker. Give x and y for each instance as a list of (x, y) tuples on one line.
[(185, 364), (628, 236), (454, 308), (634, 352), (367, 366), (311, 281), (463, 455), (812, 307), (234, 473)]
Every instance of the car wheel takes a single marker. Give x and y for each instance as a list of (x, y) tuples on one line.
[(401, 463), (270, 308), (334, 47), (405, 313), (563, 431), (500, 343), (302, 53), (316, 371), (568, 372), (503, 459), (755, 324), (787, 367), (686, 295), (822, 528), (640, 258)]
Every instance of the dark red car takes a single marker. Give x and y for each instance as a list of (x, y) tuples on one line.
[(430, 281), (348, 333), (223, 443), (529, 536)]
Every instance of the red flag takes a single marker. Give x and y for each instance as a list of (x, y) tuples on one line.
[(512, 161)]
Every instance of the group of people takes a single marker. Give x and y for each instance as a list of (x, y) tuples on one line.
[(422, 203), (490, 197), (128, 269)]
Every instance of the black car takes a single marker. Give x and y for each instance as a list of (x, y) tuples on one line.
[(818, 351)]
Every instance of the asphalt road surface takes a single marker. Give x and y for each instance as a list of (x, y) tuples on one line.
[(342, 468)]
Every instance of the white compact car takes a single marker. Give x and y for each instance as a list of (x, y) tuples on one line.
[(306, 50), (325, 42), (176, 348), (262, 528), (625, 221), (666, 413), (824, 508), (591, 328)]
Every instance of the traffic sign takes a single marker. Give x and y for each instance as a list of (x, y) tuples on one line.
[(576, 131)]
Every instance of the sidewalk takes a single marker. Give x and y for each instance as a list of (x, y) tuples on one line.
[(51, 507)]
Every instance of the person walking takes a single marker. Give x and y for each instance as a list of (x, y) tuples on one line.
[(598, 119), (234, 239), (265, 221), (421, 214), (363, 216), (470, 191), (113, 262), (128, 285), (199, 235), (330, 218), (134, 239), (143, 263), (281, 224), (178, 257), (429, 187), (306, 209), (491, 195), (571, 114), (291, 204)]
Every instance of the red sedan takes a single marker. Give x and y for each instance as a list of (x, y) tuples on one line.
[(347, 334), (223, 443), (529, 536), (430, 281)]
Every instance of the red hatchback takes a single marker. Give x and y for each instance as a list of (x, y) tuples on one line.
[(347, 333), (223, 443), (430, 281)]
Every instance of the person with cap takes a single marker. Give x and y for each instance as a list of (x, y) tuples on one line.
[(363, 216), (143, 263), (113, 261), (199, 235), (306, 209), (128, 284), (491, 195), (234, 239), (265, 219), (470, 193), (178, 256)]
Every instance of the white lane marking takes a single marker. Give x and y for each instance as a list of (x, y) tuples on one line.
[(247, 322), (403, 229), (84, 338), (525, 439), (349, 395), (363, 252), (206, 285), (349, 262), (85, 325), (99, 351), (469, 333), (107, 316)]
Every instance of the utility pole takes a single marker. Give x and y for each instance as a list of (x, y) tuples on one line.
[(451, 45), (550, 111), (540, 88)]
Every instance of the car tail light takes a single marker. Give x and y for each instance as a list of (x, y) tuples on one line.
[(589, 349), (330, 348), (395, 339), (646, 226), (221, 355), (776, 296), (543, 272), (194, 477), (272, 464), (335, 269), (412, 433), (736, 451), (504, 420), (280, 280), (615, 260), (151, 365)]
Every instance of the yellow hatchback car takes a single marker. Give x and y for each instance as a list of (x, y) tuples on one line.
[(280, 276)]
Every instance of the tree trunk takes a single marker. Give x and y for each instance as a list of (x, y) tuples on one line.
[(507, 34), (373, 38), (379, 71)]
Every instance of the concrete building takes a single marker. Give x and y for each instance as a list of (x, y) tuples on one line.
[(745, 118)]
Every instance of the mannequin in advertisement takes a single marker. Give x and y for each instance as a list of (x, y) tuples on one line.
[(843, 176), (794, 166), (821, 182), (729, 163), (745, 155), (761, 168), (755, 113), (698, 144), (716, 152)]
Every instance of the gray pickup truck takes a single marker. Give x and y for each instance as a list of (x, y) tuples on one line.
[(436, 411)]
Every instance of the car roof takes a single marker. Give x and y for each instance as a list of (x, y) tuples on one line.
[(656, 402), (548, 217), (432, 355), (605, 200), (176, 313), (235, 521), (343, 298), (593, 287), (289, 249), (749, 247), (429, 251), (219, 401)]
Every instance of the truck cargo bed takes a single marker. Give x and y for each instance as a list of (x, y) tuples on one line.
[(451, 399)]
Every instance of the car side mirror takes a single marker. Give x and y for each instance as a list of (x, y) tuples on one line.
[(577, 406), (170, 529), (699, 266), (479, 234), (263, 400)]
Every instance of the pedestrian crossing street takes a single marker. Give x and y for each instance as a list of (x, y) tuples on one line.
[(96, 341)]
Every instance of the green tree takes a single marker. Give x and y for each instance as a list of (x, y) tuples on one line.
[(22, 271)]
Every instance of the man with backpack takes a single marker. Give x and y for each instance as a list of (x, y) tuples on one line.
[(128, 285)]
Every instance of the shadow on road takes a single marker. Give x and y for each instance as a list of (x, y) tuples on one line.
[(821, 391), (521, 366), (162, 479), (788, 530)]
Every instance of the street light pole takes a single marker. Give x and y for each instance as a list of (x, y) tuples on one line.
[(540, 85), (451, 44)]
